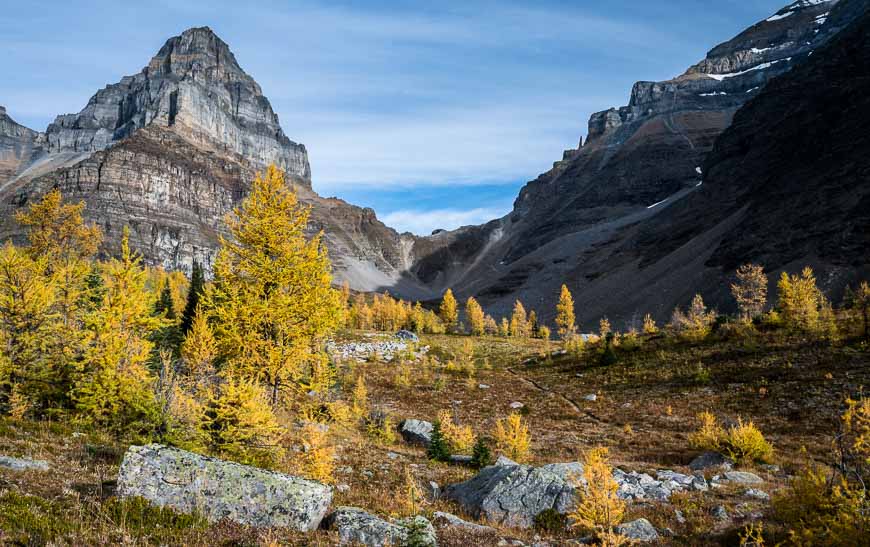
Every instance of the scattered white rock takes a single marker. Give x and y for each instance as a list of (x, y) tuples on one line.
[(638, 530), (516, 405), (591, 397), (23, 464), (719, 512), (757, 494), (442, 519), (739, 477)]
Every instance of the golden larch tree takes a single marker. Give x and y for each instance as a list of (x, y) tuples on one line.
[(599, 508), (565, 314), (448, 311), (750, 291), (475, 316), (271, 301), (115, 385), (519, 325)]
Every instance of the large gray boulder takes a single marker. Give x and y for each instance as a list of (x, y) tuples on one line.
[(638, 530), (416, 432), (511, 495), (357, 527), (217, 489)]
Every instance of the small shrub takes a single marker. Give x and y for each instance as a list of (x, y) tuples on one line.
[(382, 428), (438, 449), (744, 442), (512, 437), (608, 355), (709, 435), (481, 455), (460, 438)]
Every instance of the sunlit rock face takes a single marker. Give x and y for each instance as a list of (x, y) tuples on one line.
[(194, 84)]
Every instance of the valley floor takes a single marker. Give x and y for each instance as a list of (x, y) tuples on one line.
[(644, 409)]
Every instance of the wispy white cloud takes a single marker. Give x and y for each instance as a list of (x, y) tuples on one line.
[(423, 222), (388, 95)]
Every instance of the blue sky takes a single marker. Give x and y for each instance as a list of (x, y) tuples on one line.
[(432, 113)]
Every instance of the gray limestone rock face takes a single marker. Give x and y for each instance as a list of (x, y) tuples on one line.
[(511, 495), (195, 84), (416, 432), (217, 489), (357, 527)]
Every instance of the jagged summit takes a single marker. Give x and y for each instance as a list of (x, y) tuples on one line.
[(195, 85)]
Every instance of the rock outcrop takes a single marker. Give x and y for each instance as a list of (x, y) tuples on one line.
[(357, 527), (195, 85), (511, 495), (216, 489), (170, 151)]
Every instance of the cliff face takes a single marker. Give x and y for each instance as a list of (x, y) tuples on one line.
[(583, 221), (18, 145), (170, 151), (195, 85)]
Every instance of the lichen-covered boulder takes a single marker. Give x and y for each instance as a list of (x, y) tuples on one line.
[(416, 432), (511, 495), (638, 530), (357, 527), (217, 489)]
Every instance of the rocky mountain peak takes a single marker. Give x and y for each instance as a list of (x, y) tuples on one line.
[(195, 86), (199, 52)]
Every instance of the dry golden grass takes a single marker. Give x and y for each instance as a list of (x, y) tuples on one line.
[(645, 410)]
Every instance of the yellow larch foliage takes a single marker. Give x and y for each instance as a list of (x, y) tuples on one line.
[(696, 322), (460, 438), (58, 230), (475, 316), (504, 328), (800, 300), (750, 291), (649, 325), (519, 325), (512, 437), (61, 246), (448, 311), (28, 324), (240, 424), (360, 398), (115, 385), (599, 508), (604, 327), (412, 495), (709, 433), (199, 351), (318, 460), (565, 314), (271, 301)]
